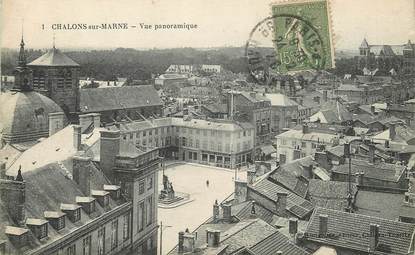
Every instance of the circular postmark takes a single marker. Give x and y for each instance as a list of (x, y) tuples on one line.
[(283, 44)]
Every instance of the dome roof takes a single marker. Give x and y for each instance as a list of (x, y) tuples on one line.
[(24, 116)]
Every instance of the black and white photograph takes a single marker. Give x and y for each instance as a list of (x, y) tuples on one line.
[(222, 127)]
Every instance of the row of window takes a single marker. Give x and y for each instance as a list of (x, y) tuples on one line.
[(145, 213), (183, 130), (142, 184), (87, 241)]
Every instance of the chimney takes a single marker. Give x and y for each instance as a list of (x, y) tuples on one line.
[(323, 220), (77, 137), (227, 212), (81, 173), (374, 237), (13, 195), (305, 128), (387, 145), (347, 150), (241, 191), (359, 178), (252, 94), (251, 174), (278, 253), (371, 153), (293, 226), (109, 149), (188, 242), (282, 202), (408, 122), (56, 122), (212, 237), (96, 118), (392, 131), (215, 210), (309, 169), (2, 170), (325, 97), (181, 242)]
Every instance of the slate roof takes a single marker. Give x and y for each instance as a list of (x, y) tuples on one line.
[(335, 112), (53, 57), (295, 204), (243, 211), (294, 175), (379, 171), (277, 242), (329, 194), (246, 234), (351, 231), (380, 204), (216, 108), (116, 98)]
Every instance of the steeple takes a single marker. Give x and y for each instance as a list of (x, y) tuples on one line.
[(22, 55)]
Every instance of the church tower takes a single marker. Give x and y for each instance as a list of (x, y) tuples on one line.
[(23, 74), (56, 76)]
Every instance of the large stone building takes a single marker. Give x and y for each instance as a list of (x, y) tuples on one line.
[(86, 197), (26, 115), (284, 112), (218, 143), (385, 58), (56, 76)]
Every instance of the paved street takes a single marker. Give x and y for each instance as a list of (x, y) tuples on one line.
[(191, 179)]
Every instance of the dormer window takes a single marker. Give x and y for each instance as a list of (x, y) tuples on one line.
[(114, 190), (102, 196), (39, 227), (87, 203), (73, 211), (56, 219), (18, 236)]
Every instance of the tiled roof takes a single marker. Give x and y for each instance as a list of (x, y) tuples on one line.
[(246, 234), (379, 171), (53, 57), (312, 135), (380, 204), (294, 175), (277, 242), (216, 108), (329, 194), (243, 212), (117, 98), (295, 204), (351, 231)]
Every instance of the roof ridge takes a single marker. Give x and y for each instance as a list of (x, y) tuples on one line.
[(244, 227)]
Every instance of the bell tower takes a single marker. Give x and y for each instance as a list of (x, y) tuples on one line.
[(23, 74)]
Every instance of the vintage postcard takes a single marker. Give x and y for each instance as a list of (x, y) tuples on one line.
[(234, 127)]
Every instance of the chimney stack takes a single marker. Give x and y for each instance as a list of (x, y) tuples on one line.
[(323, 227), (215, 210), (325, 97), (371, 153), (77, 137), (251, 175), (188, 242), (2, 170), (387, 144), (109, 149), (181, 242), (56, 122), (359, 177), (13, 195), (241, 191), (212, 237), (282, 202), (293, 226), (81, 173), (227, 212), (374, 237), (372, 109), (392, 131), (305, 128)]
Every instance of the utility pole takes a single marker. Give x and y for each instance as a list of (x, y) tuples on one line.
[(161, 236)]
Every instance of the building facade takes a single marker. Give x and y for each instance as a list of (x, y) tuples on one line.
[(218, 143)]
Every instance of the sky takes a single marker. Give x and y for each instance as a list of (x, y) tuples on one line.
[(219, 22)]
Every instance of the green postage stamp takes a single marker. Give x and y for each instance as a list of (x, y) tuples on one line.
[(302, 35)]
